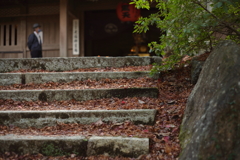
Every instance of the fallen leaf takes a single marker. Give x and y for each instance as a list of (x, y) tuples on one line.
[(123, 102), (73, 155), (171, 102), (141, 102), (166, 139), (99, 122), (164, 134), (117, 124), (168, 149), (170, 126)]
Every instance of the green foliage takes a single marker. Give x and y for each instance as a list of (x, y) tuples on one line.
[(190, 26)]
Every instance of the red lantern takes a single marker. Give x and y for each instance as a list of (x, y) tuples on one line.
[(127, 12)]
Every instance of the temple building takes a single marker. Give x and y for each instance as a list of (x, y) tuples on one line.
[(72, 28)]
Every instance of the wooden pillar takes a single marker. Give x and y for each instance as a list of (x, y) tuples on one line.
[(23, 35), (1, 35), (7, 35), (82, 34), (63, 44)]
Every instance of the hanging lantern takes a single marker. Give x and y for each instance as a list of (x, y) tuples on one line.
[(127, 12)]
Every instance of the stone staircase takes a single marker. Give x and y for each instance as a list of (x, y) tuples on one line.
[(77, 144)]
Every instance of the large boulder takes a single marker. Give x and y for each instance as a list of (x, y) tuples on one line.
[(211, 124), (196, 70)]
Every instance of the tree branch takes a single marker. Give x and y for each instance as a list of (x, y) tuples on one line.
[(224, 23)]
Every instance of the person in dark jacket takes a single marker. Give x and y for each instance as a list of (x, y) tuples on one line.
[(35, 42)]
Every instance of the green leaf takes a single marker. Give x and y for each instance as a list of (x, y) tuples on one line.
[(188, 26), (218, 5)]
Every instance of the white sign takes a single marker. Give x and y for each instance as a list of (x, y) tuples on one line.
[(75, 37)]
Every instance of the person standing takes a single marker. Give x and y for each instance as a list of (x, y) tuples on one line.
[(35, 42)]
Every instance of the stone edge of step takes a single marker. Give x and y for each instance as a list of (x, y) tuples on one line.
[(42, 77), (40, 119), (79, 95), (70, 63), (95, 145)]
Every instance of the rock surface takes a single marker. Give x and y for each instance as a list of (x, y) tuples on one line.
[(196, 70), (211, 125)]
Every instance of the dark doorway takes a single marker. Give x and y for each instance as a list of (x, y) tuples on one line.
[(106, 35)]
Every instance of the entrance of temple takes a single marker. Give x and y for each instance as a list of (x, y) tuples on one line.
[(106, 35)]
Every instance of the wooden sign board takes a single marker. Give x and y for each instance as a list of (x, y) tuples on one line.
[(76, 39)]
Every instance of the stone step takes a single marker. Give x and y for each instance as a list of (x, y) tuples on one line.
[(63, 145), (78, 95), (118, 146), (56, 145), (40, 119), (71, 63), (42, 77)]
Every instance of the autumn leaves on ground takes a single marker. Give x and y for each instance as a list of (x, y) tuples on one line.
[(174, 89)]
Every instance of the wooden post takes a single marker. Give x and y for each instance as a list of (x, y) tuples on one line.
[(7, 35), (23, 35), (13, 34), (63, 44), (82, 34), (1, 34)]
